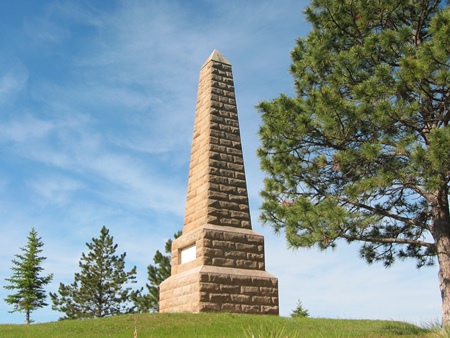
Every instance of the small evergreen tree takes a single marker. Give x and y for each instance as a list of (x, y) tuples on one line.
[(156, 275), (26, 278), (299, 311), (98, 290)]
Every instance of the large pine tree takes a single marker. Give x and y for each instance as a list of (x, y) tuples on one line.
[(156, 275), (27, 280), (99, 289), (362, 153)]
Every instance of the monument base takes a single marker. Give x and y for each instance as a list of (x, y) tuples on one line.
[(220, 289), (220, 269)]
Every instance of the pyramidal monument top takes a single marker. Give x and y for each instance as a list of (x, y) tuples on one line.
[(216, 56), (218, 263)]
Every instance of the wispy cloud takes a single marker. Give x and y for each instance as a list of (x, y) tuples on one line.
[(44, 30), (13, 79), (25, 129), (55, 189)]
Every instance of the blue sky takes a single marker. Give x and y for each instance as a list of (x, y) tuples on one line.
[(97, 104)]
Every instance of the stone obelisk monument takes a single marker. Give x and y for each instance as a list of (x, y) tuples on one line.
[(218, 261)]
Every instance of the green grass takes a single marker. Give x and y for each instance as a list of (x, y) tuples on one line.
[(213, 325)]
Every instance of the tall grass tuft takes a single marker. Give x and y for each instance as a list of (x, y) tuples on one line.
[(439, 332), (268, 332)]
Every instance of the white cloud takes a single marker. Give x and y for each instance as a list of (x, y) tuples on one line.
[(55, 189), (139, 187), (44, 30), (54, 25), (13, 79), (27, 129)]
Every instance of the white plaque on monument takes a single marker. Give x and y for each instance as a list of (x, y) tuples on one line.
[(188, 254)]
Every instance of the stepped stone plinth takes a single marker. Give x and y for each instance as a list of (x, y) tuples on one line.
[(218, 262)]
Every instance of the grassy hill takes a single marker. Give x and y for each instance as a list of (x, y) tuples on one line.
[(214, 325)]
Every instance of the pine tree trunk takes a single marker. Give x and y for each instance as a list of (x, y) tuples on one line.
[(441, 233), (444, 281), (27, 317)]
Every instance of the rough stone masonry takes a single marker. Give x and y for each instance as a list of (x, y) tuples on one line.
[(218, 262)]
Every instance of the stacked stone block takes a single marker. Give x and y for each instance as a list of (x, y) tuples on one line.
[(212, 289), (222, 247), (227, 273), (233, 291)]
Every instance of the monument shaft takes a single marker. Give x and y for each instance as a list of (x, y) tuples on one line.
[(217, 191)]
